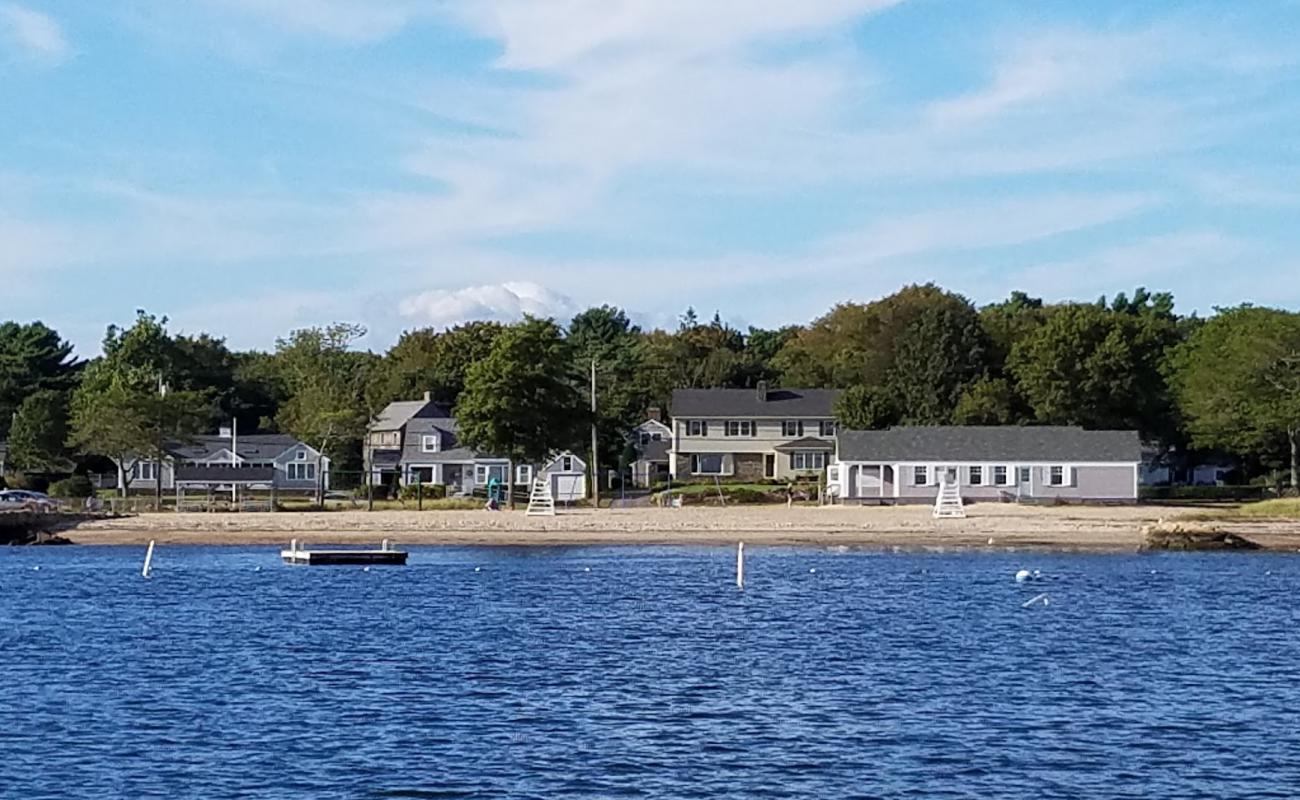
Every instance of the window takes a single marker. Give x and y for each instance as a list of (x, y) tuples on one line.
[(920, 476), (805, 460), (524, 474), (645, 438), (430, 443), (301, 455), (792, 428), (146, 471), (566, 464), (708, 465), (1056, 476), (480, 473), (1000, 476), (827, 427), (697, 427), (658, 437), (302, 472), (741, 428), (975, 476)]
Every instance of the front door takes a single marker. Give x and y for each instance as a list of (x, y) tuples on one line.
[(769, 465)]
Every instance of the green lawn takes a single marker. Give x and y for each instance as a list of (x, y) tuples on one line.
[(1283, 508)]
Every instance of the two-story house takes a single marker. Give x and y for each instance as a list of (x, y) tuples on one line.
[(653, 442), (752, 434), (417, 441)]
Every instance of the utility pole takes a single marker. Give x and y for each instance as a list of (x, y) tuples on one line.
[(595, 469)]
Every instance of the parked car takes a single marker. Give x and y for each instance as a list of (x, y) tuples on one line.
[(23, 499)]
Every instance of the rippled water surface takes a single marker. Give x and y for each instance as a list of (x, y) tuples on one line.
[(643, 672)]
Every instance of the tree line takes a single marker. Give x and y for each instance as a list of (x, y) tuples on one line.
[(921, 356)]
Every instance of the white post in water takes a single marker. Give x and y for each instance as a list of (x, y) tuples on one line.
[(384, 547), (148, 560), (740, 566), (293, 546)]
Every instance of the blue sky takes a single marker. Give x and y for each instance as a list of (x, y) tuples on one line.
[(248, 166)]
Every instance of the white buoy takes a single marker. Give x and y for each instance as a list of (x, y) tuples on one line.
[(586, 569), (36, 569), (990, 541), (148, 560), (740, 565), (478, 569), (1042, 598), (1022, 576), (384, 546), (812, 571)]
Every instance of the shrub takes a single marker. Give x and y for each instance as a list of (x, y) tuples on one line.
[(32, 483), (78, 486), (1222, 493), (432, 491)]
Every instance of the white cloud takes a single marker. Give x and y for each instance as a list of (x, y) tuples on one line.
[(504, 302), (37, 37)]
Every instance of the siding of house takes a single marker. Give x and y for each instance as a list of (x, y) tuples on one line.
[(746, 453), (1095, 482)]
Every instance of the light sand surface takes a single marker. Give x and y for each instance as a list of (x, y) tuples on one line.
[(1080, 528)]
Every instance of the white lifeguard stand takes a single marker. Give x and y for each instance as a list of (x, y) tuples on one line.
[(541, 503), (948, 504)]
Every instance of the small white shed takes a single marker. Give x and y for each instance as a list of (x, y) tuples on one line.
[(568, 476)]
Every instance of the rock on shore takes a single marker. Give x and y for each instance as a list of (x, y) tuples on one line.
[(1191, 536)]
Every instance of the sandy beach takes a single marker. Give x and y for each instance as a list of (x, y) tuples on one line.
[(911, 527)]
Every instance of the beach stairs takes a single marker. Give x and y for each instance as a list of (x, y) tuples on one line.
[(948, 504), (540, 501)]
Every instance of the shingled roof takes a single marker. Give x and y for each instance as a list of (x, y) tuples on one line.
[(754, 403), (1009, 443)]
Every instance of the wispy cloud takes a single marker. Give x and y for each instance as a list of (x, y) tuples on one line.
[(34, 36)]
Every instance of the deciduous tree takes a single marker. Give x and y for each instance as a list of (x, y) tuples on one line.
[(1237, 380)]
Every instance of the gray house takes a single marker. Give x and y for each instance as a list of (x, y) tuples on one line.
[(752, 434), (907, 464), (260, 460), (416, 441), (653, 442)]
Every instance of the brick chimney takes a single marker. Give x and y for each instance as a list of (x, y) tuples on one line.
[(428, 397)]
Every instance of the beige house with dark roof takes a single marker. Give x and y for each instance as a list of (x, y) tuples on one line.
[(752, 434)]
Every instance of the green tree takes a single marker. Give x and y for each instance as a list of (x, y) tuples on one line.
[(1237, 381), (936, 358), (1088, 365), (37, 440), (989, 401), (1007, 323), (125, 407), (33, 358), (858, 345), (521, 401), (866, 408), (325, 382), (426, 360), (606, 337)]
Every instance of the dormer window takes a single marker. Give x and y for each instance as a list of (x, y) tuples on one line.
[(430, 443), (566, 464)]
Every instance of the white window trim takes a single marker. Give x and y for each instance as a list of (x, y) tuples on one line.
[(970, 476), (430, 443), (1006, 474), (809, 459), (925, 475), (524, 474), (724, 464)]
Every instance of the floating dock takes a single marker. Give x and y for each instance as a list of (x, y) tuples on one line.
[(385, 555)]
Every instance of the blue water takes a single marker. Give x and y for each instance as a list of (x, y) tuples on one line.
[(650, 675)]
